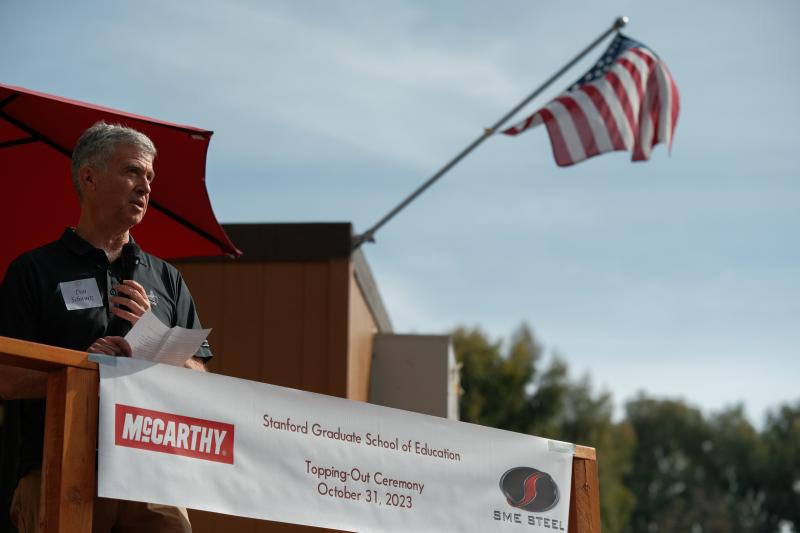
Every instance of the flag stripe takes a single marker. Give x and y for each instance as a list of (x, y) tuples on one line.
[(634, 91), (648, 133), (623, 99), (607, 116), (620, 116), (674, 104), (566, 126), (649, 112), (597, 125), (664, 125), (582, 127), (556, 139), (531, 121)]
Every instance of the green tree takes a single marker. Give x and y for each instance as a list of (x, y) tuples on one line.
[(731, 459), (517, 392), (508, 391), (692, 473), (780, 467), (666, 467)]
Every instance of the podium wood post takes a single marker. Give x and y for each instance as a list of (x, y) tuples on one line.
[(70, 439), (584, 503), (70, 432)]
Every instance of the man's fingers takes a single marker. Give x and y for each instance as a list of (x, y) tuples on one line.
[(135, 292), (133, 283), (134, 306), (126, 315), (120, 344), (132, 289), (104, 344), (195, 364), (97, 347), (111, 346)]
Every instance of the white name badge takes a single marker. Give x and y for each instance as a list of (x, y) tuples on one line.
[(81, 294)]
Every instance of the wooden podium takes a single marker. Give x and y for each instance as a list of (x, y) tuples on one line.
[(68, 469), (70, 433)]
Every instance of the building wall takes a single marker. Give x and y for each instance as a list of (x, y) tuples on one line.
[(362, 330), (284, 323), (302, 324), (415, 373)]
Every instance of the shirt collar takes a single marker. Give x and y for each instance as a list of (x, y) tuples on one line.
[(76, 244)]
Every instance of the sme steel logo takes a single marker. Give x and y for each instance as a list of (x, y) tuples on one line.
[(529, 489), (174, 434)]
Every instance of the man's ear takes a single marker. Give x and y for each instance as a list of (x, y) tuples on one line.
[(86, 178)]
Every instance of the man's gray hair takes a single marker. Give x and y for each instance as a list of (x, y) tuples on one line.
[(98, 144)]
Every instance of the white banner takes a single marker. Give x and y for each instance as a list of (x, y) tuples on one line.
[(204, 441)]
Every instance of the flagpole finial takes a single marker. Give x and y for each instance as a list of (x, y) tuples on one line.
[(621, 22)]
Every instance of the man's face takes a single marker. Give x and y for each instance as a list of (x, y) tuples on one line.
[(122, 189)]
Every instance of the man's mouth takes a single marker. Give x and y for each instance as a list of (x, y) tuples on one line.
[(139, 203)]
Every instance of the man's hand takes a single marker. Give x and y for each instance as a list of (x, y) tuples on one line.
[(195, 363), (132, 296), (111, 346)]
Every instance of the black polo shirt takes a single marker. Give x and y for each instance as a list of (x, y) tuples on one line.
[(33, 307)]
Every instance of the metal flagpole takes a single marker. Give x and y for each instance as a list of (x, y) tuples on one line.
[(369, 235)]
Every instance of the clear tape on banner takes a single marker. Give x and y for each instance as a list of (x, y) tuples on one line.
[(560, 447), (102, 359)]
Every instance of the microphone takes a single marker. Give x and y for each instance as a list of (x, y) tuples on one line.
[(118, 326)]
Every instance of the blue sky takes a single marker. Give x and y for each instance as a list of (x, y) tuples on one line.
[(678, 276)]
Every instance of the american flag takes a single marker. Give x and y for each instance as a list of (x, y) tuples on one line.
[(626, 101)]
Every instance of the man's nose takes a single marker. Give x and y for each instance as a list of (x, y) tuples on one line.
[(144, 186)]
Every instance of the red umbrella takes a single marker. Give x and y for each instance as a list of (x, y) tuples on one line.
[(37, 134)]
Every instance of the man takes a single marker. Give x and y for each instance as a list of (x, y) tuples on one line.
[(112, 171)]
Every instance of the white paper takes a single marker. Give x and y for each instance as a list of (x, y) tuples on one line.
[(151, 340), (81, 294)]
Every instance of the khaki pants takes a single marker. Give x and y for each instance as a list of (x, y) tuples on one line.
[(117, 516)]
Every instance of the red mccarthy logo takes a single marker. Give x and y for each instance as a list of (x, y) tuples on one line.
[(529, 489), (169, 433)]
